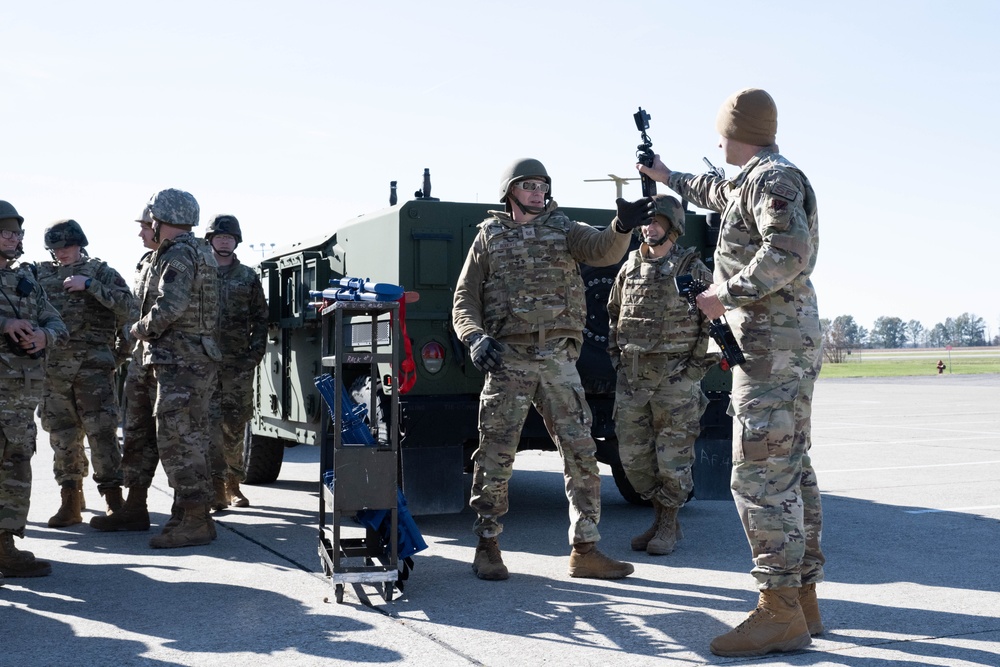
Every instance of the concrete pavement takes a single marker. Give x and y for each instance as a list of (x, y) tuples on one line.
[(909, 469)]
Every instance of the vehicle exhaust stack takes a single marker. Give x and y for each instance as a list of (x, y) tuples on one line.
[(426, 192)]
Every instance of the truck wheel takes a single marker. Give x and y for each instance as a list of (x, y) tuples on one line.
[(262, 456), (625, 486), (607, 452), (360, 392)]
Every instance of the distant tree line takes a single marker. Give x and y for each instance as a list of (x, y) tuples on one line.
[(843, 334)]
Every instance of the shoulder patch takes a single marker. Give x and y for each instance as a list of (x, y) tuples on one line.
[(177, 266), (784, 191)]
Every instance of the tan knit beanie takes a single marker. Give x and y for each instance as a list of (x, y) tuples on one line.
[(749, 116)]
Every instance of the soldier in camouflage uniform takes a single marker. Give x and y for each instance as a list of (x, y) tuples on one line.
[(177, 332), (80, 396), (30, 326), (140, 455), (660, 351), (765, 255), (243, 339), (519, 307)]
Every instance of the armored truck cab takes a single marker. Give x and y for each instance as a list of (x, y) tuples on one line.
[(421, 245)]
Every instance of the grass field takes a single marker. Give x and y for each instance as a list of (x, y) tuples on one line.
[(920, 361)]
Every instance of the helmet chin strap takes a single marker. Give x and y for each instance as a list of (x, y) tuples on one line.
[(223, 253), (656, 244), (527, 210), (156, 231)]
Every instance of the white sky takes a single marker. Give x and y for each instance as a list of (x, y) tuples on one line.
[(294, 116)]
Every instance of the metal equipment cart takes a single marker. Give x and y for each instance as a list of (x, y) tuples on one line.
[(355, 477)]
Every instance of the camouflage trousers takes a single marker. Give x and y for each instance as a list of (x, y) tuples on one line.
[(232, 407), (773, 481), (167, 412), (546, 378), (140, 455), (657, 420), (18, 399), (80, 399)]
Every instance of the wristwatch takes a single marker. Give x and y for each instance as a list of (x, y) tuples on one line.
[(86, 285)]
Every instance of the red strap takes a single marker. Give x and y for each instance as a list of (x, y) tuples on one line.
[(408, 369)]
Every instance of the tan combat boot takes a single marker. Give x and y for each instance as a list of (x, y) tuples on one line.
[(587, 562), (221, 500), (16, 563), (193, 530), (133, 514), (176, 516), (777, 624), (234, 494), (488, 564), (113, 498), (810, 609), (639, 542), (665, 540), (68, 513)]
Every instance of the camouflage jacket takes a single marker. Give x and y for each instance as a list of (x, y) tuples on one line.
[(22, 298), (649, 317), (766, 251), (95, 317), (243, 316), (179, 307), (140, 285), (520, 282)]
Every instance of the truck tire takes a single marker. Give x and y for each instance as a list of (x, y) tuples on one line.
[(596, 373), (360, 392), (262, 456), (607, 453)]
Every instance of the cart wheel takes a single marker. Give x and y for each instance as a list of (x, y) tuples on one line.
[(338, 593), (388, 591)]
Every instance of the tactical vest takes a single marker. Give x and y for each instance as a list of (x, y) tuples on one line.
[(653, 316), (534, 285), (192, 335), (14, 363), (88, 321)]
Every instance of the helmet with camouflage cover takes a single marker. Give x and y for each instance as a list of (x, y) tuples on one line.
[(8, 212), (520, 169), (63, 234), (672, 210), (224, 224), (174, 207)]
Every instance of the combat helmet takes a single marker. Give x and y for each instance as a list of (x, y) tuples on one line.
[(8, 212), (224, 224), (174, 207), (146, 216), (63, 234), (520, 169), (672, 210)]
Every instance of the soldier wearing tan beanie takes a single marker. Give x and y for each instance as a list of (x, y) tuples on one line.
[(765, 255), (750, 116)]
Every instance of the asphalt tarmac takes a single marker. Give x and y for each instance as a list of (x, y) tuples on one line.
[(910, 474)]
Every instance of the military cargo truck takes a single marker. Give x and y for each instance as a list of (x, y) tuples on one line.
[(421, 244)]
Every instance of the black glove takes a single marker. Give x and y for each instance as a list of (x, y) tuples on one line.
[(486, 352), (634, 214)]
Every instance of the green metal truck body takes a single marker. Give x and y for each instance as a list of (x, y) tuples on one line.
[(421, 245)]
